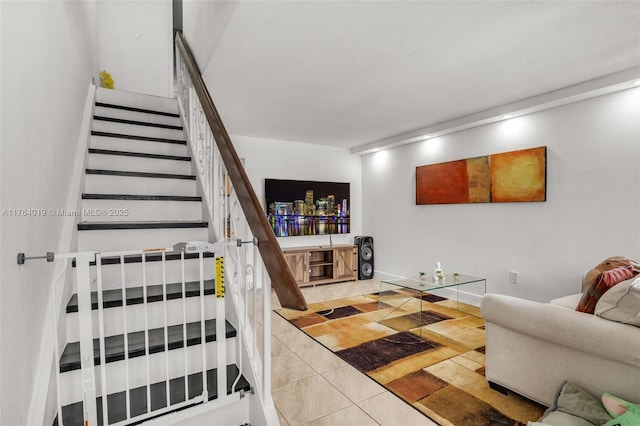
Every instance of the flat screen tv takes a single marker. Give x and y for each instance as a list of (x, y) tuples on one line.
[(303, 207)]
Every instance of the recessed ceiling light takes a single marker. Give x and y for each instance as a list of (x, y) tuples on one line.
[(506, 116), (425, 137), (636, 83)]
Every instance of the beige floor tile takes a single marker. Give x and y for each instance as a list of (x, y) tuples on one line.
[(355, 385), (295, 339), (350, 416), (388, 410), (283, 421), (287, 368), (308, 399), (321, 359)]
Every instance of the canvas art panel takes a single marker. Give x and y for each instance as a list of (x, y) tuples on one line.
[(516, 176)]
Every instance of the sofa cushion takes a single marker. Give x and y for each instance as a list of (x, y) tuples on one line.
[(600, 284), (569, 302), (621, 303), (558, 418)]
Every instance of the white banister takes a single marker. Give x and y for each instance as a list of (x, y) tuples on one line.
[(245, 281)]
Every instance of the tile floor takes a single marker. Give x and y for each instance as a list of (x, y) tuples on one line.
[(311, 386)]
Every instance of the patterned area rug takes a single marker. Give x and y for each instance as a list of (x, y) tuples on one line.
[(437, 368)]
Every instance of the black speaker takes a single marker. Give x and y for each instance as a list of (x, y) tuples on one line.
[(365, 257)]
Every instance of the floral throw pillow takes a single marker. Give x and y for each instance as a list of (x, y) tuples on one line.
[(600, 284)]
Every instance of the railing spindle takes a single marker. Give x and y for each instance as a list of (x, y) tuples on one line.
[(103, 346)]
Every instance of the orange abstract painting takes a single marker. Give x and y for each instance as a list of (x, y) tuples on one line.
[(517, 176)]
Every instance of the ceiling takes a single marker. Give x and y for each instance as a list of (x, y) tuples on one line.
[(349, 73)]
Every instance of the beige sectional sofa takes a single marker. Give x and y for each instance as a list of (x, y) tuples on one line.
[(532, 347)]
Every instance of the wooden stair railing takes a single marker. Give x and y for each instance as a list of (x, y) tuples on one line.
[(282, 279)]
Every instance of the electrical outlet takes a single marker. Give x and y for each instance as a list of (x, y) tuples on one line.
[(513, 277)]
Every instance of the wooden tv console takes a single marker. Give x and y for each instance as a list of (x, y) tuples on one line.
[(323, 264)]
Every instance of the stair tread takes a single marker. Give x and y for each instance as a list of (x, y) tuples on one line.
[(138, 154), (136, 122), (152, 224), (129, 108), (134, 295), (139, 174), (149, 257), (93, 196), (73, 413), (136, 137), (114, 345)]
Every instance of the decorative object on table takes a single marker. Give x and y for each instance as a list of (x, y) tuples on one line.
[(441, 374), (516, 176), (456, 277), (438, 275), (106, 80), (422, 275)]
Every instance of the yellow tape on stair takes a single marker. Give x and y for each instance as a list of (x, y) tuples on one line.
[(219, 277)]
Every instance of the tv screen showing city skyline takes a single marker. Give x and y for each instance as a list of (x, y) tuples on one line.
[(302, 207)]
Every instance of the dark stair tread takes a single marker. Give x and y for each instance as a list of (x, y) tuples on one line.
[(156, 224), (138, 154), (136, 123), (73, 413), (139, 174), (113, 298), (138, 138), (135, 109), (88, 196), (70, 358), (149, 257)]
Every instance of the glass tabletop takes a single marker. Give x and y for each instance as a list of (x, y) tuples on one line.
[(429, 282)]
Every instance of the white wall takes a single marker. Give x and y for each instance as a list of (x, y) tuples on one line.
[(136, 45), (47, 65), (204, 24), (591, 212), (275, 159)]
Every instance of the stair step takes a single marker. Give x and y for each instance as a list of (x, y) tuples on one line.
[(116, 236), (139, 174), (116, 143), (136, 122), (140, 197), (137, 100), (70, 358), (138, 154), (134, 109), (113, 298), (73, 413), (159, 224), (135, 137), (138, 161), (152, 257)]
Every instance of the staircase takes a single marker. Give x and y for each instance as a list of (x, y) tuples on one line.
[(140, 193)]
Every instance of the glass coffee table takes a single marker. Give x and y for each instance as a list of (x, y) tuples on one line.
[(419, 291)]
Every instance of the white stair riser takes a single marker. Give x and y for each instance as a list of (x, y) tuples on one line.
[(153, 271), (71, 381), (138, 100), (123, 239), (114, 317), (138, 164), (136, 130), (136, 116), (139, 210), (134, 145), (106, 184)]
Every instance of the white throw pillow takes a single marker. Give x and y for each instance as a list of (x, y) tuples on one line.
[(621, 303)]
